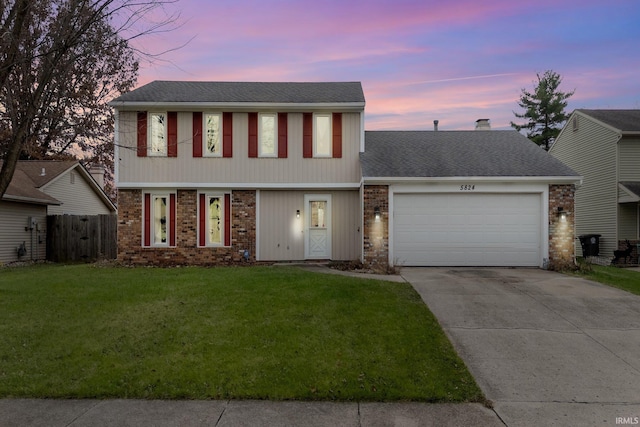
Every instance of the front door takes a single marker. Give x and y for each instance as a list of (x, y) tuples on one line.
[(318, 226)]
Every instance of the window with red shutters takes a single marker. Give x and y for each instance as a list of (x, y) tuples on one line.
[(142, 134), (337, 135), (253, 134), (197, 134), (214, 219), (282, 135)]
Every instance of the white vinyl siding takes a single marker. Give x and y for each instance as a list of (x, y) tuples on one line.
[(240, 168), (13, 220), (628, 221), (629, 159), (591, 152), (281, 233), (78, 197)]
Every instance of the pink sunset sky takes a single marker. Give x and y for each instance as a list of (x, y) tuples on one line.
[(451, 60)]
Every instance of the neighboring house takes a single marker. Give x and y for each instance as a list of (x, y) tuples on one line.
[(604, 147), (40, 188), (230, 172)]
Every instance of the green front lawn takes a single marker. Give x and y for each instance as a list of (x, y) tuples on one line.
[(622, 278), (248, 333)]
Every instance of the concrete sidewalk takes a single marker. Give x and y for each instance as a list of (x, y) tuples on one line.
[(548, 349), (77, 413)]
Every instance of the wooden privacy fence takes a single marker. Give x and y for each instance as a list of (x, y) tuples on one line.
[(81, 237)]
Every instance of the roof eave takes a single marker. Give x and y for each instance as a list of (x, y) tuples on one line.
[(236, 106), (30, 200), (412, 180)]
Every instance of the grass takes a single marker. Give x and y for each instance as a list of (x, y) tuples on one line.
[(621, 278), (84, 331)]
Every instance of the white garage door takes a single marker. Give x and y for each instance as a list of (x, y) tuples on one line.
[(467, 229)]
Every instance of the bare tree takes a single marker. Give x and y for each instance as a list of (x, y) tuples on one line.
[(61, 61)]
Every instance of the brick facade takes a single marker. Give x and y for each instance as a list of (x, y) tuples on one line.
[(561, 227), (376, 231), (186, 251)]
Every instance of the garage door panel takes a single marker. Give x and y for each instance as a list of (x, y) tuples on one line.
[(467, 229)]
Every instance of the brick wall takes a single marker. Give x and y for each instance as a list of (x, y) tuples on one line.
[(561, 228), (186, 252), (633, 258), (376, 232)]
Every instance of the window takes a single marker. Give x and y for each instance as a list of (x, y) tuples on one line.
[(322, 135), (159, 220), (267, 135), (214, 220), (212, 132), (157, 142)]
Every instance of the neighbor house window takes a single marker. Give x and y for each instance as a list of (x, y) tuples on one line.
[(159, 219), (157, 142), (322, 140), (214, 218), (268, 135), (212, 131)]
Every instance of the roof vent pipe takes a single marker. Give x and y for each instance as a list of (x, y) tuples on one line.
[(43, 172), (435, 125), (483, 124)]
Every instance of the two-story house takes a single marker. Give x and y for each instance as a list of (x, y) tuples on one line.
[(604, 147), (228, 172), (221, 172)]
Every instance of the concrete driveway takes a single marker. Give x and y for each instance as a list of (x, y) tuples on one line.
[(546, 348)]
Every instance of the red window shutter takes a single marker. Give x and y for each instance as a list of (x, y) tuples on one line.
[(202, 232), (307, 135), (172, 134), (172, 220), (147, 220), (253, 134), (227, 219), (142, 134), (337, 135), (227, 134), (282, 135), (197, 134)]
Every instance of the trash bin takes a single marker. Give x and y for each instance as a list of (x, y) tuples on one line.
[(590, 244)]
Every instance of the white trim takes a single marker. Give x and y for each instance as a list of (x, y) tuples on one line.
[(239, 106), (241, 185)]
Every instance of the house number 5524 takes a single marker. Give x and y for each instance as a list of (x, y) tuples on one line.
[(467, 187)]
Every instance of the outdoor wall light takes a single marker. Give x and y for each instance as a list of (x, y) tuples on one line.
[(562, 213), (376, 213), (298, 213)]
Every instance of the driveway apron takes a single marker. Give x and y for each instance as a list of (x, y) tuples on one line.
[(545, 348)]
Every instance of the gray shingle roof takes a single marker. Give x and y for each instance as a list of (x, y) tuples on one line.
[(491, 153), (250, 92), (623, 120), (632, 186)]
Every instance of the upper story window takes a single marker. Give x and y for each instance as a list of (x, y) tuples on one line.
[(212, 131), (267, 132), (157, 135), (322, 135)]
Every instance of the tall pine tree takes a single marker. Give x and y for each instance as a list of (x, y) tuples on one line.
[(543, 109)]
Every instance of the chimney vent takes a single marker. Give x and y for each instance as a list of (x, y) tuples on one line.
[(435, 125), (483, 124), (97, 172), (43, 172)]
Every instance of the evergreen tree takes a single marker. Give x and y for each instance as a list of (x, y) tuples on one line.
[(543, 109)]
